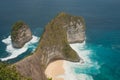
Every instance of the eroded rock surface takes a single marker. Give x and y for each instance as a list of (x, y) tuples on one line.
[(20, 34)]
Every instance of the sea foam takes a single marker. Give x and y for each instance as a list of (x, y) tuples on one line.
[(81, 71), (13, 52)]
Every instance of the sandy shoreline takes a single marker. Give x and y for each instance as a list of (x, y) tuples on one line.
[(55, 70)]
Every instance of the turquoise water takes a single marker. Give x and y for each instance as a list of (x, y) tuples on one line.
[(102, 47)]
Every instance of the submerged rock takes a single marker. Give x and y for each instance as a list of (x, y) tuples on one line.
[(20, 34), (54, 45)]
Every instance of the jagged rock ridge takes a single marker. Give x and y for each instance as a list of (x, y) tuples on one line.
[(20, 34), (53, 45)]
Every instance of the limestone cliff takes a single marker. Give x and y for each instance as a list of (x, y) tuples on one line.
[(74, 26), (53, 45), (20, 34)]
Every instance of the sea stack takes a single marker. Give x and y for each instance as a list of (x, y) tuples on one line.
[(20, 34)]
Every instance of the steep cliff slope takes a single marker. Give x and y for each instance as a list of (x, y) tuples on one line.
[(53, 45)]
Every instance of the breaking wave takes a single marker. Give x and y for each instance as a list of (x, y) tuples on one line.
[(13, 52), (84, 70)]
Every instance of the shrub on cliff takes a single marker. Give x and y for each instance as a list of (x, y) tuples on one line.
[(9, 73)]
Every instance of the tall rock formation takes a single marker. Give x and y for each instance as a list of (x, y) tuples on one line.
[(53, 45), (20, 34)]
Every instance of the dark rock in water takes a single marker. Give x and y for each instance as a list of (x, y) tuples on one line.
[(54, 45), (20, 34)]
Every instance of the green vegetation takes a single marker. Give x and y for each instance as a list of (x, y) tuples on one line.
[(69, 53), (49, 78), (15, 28), (9, 73)]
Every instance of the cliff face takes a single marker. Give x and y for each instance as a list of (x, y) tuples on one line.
[(75, 31), (74, 26), (53, 45), (20, 34)]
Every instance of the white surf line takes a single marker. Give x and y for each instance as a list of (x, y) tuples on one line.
[(70, 66), (13, 52)]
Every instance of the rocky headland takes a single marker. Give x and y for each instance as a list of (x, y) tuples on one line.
[(20, 34), (53, 45)]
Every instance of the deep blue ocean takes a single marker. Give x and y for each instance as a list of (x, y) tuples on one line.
[(102, 18)]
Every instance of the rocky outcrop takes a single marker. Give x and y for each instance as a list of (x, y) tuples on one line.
[(75, 31), (74, 26), (53, 45), (20, 34)]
